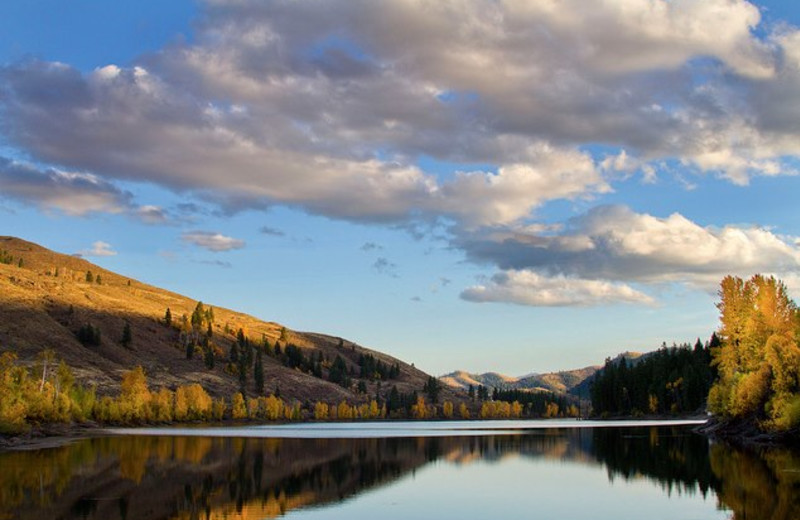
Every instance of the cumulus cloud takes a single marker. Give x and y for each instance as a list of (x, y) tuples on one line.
[(150, 214), (212, 241), (306, 120), (72, 193), (99, 248), (615, 243), (489, 199), (529, 288), (331, 109)]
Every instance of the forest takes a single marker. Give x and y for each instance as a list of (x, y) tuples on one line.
[(670, 381), (748, 370)]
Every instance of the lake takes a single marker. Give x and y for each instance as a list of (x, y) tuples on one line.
[(442, 470)]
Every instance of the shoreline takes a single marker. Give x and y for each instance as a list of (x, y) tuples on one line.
[(745, 433), (49, 436), (57, 435)]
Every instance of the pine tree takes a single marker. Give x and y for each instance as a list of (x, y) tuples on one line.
[(432, 388), (198, 316), (243, 366), (89, 277), (127, 336), (168, 318), (258, 374), (208, 354)]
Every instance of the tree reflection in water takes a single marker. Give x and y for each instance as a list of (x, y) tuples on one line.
[(186, 478)]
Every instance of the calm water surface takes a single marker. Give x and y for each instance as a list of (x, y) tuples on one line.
[(503, 470)]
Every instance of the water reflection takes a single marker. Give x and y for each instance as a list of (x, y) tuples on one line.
[(209, 478)]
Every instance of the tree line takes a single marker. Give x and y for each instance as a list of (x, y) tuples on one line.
[(748, 370), (670, 381)]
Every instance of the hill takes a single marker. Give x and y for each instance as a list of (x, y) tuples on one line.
[(48, 297), (559, 382)]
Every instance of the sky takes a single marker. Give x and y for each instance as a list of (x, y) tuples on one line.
[(485, 185)]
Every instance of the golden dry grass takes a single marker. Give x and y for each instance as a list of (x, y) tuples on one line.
[(45, 302)]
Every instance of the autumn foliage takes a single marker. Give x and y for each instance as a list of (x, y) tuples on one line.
[(758, 361)]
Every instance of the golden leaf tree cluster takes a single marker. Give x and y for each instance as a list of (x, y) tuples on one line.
[(758, 362), (43, 393)]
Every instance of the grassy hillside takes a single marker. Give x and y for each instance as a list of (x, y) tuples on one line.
[(47, 298)]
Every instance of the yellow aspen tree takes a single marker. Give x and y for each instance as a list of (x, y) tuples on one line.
[(447, 410), (321, 411), (218, 408), (374, 411), (135, 396), (420, 409), (238, 407)]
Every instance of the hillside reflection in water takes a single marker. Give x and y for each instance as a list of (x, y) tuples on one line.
[(653, 472)]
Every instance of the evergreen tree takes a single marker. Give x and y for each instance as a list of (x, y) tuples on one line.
[(208, 354), (98, 280), (243, 366), (89, 335), (432, 388), (89, 277), (168, 318), (127, 335), (258, 374), (338, 373), (198, 316)]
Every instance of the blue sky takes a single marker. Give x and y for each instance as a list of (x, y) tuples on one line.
[(484, 185)]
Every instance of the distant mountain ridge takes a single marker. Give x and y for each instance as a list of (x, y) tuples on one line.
[(560, 382), (574, 381)]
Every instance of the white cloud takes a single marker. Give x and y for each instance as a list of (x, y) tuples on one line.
[(529, 288), (615, 243), (72, 193), (216, 242), (99, 248), (330, 109), (485, 199), (150, 214)]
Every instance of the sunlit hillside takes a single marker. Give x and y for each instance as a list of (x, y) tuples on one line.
[(49, 298)]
